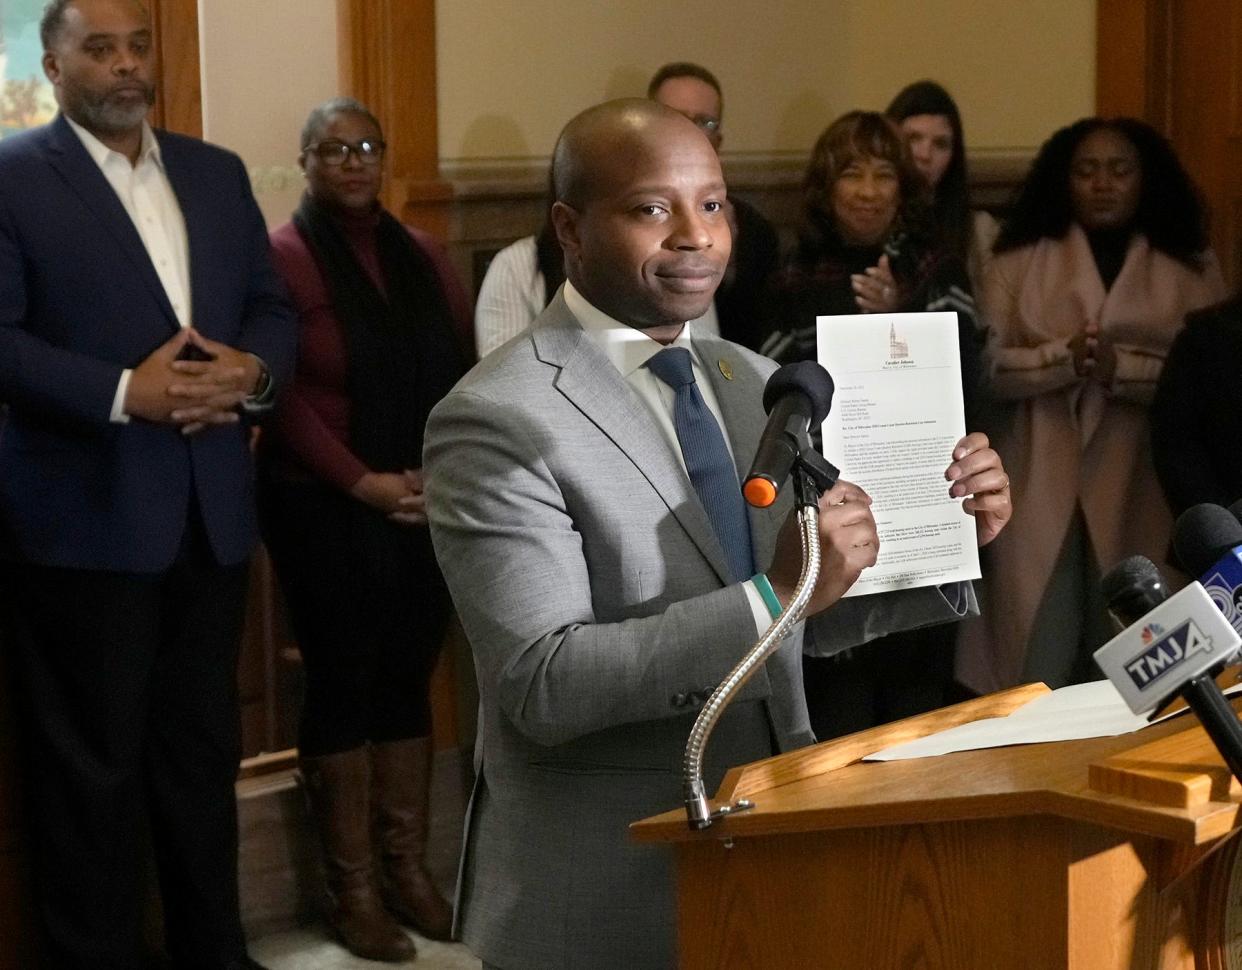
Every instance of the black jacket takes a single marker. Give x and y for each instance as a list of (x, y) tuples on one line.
[(1197, 409)]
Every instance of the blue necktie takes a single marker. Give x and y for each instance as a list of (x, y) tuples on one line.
[(711, 468)]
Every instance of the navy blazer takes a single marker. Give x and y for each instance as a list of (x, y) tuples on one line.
[(80, 301)]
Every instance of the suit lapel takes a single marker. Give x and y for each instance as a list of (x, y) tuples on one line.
[(68, 156), (176, 168), (588, 379), (740, 397)]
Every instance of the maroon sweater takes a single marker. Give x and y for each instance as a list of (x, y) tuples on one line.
[(309, 434)]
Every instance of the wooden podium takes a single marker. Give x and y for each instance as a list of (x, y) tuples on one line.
[(1105, 854)]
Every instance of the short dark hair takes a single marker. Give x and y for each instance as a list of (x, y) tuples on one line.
[(684, 69), (321, 113), (53, 20), (1170, 211)]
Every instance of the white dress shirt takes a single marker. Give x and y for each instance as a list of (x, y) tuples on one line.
[(629, 350), (511, 296), (148, 197)]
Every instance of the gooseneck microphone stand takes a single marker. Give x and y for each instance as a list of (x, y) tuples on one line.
[(812, 476)]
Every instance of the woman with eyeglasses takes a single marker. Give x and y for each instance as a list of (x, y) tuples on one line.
[(384, 327)]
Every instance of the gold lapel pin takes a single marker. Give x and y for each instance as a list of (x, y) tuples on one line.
[(726, 369)]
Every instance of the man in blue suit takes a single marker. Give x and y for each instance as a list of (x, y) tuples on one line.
[(140, 321)]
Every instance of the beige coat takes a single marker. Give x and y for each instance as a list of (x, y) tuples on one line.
[(1066, 441)]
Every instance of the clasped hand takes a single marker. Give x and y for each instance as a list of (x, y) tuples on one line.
[(848, 539), (1092, 355), (169, 388), (399, 495)]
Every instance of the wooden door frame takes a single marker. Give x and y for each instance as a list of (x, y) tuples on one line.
[(179, 93), (387, 58), (1133, 42)]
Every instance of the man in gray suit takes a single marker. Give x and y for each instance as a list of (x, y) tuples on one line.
[(602, 595)]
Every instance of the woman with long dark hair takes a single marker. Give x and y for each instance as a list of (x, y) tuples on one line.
[(1105, 253), (932, 126), (384, 327)]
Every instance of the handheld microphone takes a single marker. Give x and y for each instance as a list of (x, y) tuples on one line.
[(1175, 647), (1132, 589), (1208, 542), (797, 397)]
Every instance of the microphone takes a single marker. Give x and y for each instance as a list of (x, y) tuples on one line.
[(1132, 589), (1208, 542), (1175, 647), (797, 397)]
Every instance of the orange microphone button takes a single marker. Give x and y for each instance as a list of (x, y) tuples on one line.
[(759, 492)]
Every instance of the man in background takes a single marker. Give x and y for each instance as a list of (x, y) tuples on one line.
[(140, 320), (693, 91)]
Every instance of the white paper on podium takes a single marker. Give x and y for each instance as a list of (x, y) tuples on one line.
[(1093, 710), (896, 415)]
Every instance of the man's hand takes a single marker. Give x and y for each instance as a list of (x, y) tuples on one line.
[(977, 472), (157, 390), (210, 390), (150, 393), (848, 545)]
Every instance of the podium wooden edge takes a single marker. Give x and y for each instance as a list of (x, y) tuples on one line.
[(746, 781), (1180, 752)]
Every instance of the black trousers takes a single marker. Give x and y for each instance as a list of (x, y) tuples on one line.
[(369, 610), (894, 677), (127, 691)]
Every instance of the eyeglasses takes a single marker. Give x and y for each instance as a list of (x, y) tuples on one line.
[(335, 152)]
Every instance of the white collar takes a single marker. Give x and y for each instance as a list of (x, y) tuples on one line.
[(150, 148), (627, 347)]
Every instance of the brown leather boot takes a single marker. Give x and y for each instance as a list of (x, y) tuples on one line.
[(338, 787), (401, 774)]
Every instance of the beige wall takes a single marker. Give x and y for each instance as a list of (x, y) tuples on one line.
[(265, 64), (511, 72)]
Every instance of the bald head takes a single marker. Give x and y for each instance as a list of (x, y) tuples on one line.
[(592, 144), (639, 212)]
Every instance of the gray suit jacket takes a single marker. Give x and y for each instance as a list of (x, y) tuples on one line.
[(594, 595)]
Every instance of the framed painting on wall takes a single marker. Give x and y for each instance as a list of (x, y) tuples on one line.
[(25, 94)]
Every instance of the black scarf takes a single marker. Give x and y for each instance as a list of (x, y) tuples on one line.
[(402, 351)]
